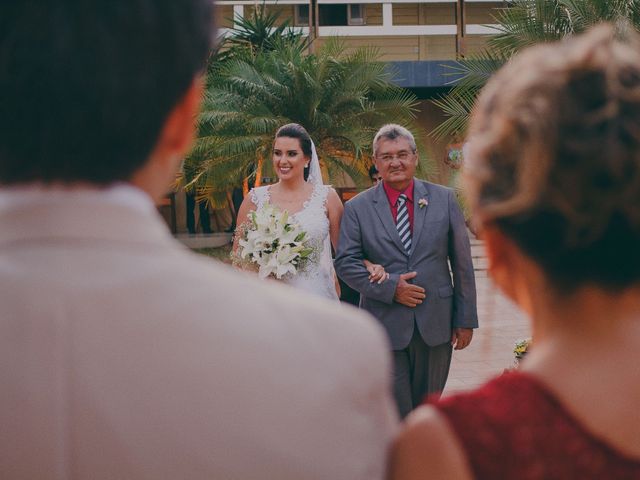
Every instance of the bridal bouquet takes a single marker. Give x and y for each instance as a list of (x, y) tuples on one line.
[(273, 243)]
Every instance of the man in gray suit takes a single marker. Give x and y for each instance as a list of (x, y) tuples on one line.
[(415, 229)]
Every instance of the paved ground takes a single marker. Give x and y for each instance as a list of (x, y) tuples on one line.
[(501, 325)]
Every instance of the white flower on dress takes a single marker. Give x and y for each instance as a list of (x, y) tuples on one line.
[(273, 243)]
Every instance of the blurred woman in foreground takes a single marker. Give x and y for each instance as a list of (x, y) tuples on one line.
[(553, 177)]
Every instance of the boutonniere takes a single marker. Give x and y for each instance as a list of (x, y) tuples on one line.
[(423, 202)]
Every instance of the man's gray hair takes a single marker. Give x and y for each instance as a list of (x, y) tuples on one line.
[(391, 131)]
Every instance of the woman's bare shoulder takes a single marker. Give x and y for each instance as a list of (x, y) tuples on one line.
[(427, 448), (333, 199)]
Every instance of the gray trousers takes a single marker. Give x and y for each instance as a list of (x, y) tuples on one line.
[(419, 370)]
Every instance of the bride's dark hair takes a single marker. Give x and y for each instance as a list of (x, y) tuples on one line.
[(294, 130)]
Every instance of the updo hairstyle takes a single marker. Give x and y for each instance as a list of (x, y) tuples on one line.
[(294, 130), (553, 158)]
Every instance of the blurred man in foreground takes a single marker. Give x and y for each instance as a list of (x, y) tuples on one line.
[(111, 364)]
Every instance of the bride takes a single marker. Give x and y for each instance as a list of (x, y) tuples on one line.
[(314, 206)]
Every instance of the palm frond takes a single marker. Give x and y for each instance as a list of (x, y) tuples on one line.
[(520, 24), (354, 169), (457, 106)]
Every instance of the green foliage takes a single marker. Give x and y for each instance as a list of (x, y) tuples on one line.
[(261, 82), (261, 31), (519, 25)]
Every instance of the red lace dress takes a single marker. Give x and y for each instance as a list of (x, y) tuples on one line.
[(513, 427)]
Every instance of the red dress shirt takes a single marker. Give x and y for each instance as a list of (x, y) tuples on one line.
[(392, 196)]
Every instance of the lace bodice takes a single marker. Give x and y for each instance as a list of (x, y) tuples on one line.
[(515, 427), (318, 276)]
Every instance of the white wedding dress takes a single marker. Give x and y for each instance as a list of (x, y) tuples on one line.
[(318, 275)]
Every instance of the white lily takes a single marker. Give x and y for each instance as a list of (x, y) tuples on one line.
[(275, 243)]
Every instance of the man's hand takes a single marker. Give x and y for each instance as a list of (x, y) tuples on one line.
[(408, 294), (461, 338)]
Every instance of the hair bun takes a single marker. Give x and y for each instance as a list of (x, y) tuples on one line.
[(555, 148)]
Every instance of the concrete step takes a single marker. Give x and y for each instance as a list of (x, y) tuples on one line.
[(479, 256)]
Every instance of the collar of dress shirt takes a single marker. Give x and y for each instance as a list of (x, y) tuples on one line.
[(393, 194), (116, 194)]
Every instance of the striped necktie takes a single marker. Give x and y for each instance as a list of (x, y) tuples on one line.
[(402, 222)]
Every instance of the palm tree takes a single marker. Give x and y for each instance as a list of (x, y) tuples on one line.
[(521, 24), (340, 98), (262, 30)]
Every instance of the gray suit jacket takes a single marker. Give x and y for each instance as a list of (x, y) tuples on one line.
[(439, 238)]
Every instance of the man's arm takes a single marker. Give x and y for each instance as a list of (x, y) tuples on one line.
[(349, 261), (465, 314)]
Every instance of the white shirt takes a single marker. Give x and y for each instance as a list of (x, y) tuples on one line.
[(122, 194)]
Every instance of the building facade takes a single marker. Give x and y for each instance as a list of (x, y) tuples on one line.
[(404, 30)]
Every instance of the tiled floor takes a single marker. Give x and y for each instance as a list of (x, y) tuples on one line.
[(501, 325)]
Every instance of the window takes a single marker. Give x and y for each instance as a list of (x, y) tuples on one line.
[(301, 15), (336, 15), (356, 14), (333, 15)]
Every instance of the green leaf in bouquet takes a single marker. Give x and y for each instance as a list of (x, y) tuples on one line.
[(304, 253)]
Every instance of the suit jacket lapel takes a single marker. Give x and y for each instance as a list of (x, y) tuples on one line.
[(420, 191), (382, 208)]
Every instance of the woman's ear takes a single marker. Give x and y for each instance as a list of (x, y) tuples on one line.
[(510, 269), (493, 242), (500, 260)]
